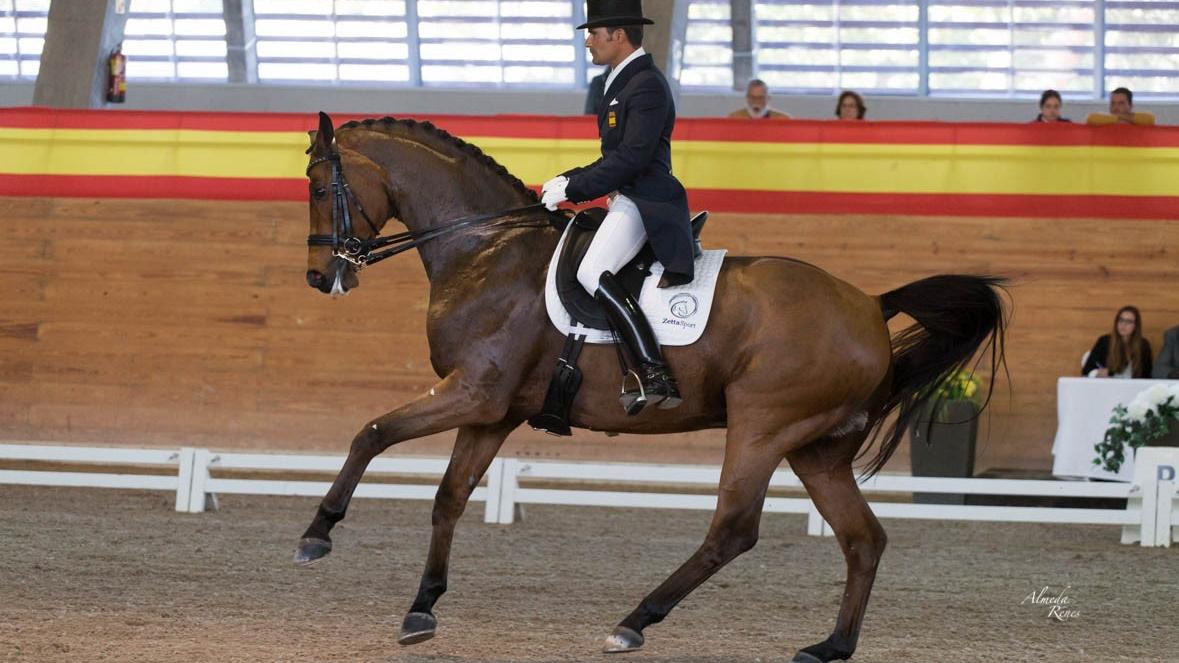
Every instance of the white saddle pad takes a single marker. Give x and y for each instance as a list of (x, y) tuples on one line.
[(678, 314)]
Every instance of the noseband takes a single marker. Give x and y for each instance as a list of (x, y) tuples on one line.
[(362, 252)]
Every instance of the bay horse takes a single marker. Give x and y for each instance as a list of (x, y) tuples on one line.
[(795, 363)]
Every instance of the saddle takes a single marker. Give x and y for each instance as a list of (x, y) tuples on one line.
[(581, 305), (554, 416)]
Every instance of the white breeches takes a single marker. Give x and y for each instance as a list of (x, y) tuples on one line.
[(620, 238)]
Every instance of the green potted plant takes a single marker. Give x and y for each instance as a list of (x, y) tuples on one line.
[(1150, 420), (943, 435)]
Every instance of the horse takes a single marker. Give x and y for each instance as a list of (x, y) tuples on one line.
[(794, 363)]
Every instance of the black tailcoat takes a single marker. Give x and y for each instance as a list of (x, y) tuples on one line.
[(635, 124)]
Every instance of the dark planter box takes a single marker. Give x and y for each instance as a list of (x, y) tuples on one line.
[(1171, 439), (945, 447)]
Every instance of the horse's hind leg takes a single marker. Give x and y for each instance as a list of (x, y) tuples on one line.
[(474, 450), (453, 402), (825, 469), (749, 463)]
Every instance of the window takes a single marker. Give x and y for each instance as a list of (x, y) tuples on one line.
[(22, 35), (1011, 47), (175, 40), (326, 40), (708, 48), (824, 47), (1142, 47), (498, 42), (428, 42), (952, 48)]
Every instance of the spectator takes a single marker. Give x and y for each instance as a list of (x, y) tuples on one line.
[(1121, 111), (1122, 354), (1167, 365), (850, 106), (1050, 107), (597, 91), (757, 103)]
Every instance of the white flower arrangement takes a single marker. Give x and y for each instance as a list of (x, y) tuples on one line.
[(1148, 417)]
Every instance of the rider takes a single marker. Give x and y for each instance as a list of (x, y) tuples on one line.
[(646, 204)]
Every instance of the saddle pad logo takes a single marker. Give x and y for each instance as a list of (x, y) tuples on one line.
[(683, 306)]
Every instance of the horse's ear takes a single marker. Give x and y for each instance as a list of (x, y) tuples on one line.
[(321, 140), (311, 147)]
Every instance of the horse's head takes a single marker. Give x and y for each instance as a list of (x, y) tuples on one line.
[(349, 204), (368, 172)]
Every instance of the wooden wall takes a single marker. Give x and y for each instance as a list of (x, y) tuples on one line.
[(180, 322)]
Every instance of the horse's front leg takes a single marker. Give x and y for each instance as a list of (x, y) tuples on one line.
[(474, 450), (453, 402)]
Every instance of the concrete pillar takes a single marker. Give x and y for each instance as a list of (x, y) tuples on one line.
[(665, 40), (78, 43), (240, 54), (741, 18)]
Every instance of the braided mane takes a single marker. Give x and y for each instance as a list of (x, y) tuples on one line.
[(389, 124)]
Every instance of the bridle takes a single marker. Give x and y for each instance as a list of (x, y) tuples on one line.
[(363, 252)]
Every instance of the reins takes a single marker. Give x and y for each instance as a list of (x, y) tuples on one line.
[(363, 252)]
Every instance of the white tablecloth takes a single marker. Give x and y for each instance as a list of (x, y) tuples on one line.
[(1083, 409)]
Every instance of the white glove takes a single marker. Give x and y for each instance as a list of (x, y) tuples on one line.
[(553, 192)]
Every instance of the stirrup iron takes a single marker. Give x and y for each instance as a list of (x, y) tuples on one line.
[(633, 401)]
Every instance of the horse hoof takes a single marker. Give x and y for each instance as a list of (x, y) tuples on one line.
[(824, 652), (311, 551), (623, 639), (417, 627)]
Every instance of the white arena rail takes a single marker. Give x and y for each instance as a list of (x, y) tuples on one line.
[(178, 462), (204, 484), (1016, 487), (1150, 515), (647, 475), (708, 477)]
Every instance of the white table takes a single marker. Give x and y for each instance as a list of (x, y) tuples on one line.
[(1083, 409)]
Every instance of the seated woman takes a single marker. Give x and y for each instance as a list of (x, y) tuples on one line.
[(1122, 354), (850, 106), (1050, 107)]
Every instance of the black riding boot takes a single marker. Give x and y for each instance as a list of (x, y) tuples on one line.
[(656, 385)]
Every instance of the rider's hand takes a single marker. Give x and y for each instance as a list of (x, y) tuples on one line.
[(553, 192)]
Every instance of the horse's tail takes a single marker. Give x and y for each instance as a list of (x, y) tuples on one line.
[(956, 314)]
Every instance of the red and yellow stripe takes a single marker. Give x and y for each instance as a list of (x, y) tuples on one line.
[(727, 165)]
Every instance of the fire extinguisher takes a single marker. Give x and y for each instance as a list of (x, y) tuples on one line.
[(116, 89)]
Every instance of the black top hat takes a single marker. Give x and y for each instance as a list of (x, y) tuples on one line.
[(614, 13)]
